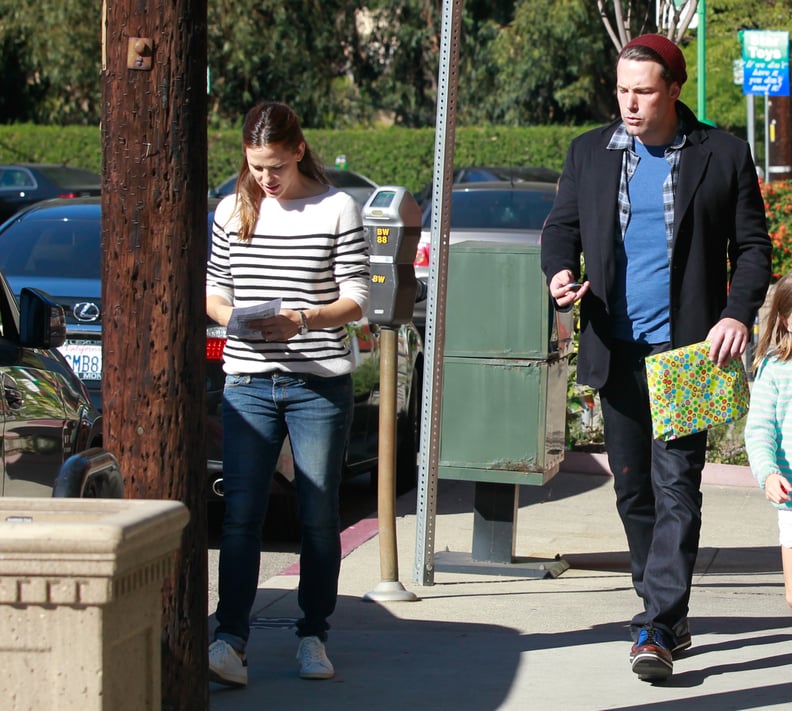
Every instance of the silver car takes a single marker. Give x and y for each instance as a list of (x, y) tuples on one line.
[(358, 186), (487, 212)]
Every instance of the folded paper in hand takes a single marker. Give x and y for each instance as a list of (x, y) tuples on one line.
[(689, 393), (242, 318)]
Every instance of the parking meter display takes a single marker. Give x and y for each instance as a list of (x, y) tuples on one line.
[(383, 198)]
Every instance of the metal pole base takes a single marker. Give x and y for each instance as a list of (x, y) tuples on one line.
[(390, 592), (459, 562)]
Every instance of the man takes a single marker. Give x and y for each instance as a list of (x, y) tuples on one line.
[(669, 218)]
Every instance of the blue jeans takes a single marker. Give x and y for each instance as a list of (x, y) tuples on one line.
[(258, 412), (658, 491)]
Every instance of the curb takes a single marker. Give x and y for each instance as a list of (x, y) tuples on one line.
[(716, 474), (351, 537)]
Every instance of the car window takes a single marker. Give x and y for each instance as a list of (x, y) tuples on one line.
[(227, 187), (477, 175), (52, 248), (15, 178), (496, 209), (67, 177), (345, 179)]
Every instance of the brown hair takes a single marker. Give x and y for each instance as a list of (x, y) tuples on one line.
[(776, 336), (269, 122)]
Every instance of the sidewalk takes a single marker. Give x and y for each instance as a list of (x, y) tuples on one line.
[(487, 641)]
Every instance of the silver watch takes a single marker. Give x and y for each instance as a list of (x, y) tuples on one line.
[(303, 324)]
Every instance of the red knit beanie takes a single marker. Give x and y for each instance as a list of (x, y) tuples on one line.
[(667, 51)]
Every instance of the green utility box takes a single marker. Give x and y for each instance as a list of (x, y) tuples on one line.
[(498, 305), (504, 367), (503, 421)]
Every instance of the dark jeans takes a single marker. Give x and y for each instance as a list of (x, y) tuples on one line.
[(658, 491), (258, 413)]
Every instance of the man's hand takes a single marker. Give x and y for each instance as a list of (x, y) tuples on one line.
[(728, 340), (565, 290)]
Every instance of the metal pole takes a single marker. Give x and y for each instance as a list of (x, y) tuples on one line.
[(767, 134), (389, 589), (750, 108), (448, 80)]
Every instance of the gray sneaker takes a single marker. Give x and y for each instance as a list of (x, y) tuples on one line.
[(226, 666), (314, 663)]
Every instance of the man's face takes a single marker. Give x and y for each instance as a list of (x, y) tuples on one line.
[(646, 101)]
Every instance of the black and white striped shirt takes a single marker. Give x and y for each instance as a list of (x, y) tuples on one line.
[(307, 252)]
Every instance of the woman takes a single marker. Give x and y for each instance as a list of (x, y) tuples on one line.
[(286, 234)]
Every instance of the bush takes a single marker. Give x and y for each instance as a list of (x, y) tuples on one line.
[(389, 156), (778, 208)]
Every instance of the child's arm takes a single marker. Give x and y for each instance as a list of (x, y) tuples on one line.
[(761, 426)]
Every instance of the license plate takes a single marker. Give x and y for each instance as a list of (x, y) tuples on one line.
[(84, 358)]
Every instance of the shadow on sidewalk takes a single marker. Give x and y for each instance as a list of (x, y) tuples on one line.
[(381, 662), (386, 662), (711, 561)]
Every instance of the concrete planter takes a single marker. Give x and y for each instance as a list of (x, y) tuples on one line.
[(81, 601)]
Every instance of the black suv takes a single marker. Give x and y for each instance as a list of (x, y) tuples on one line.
[(45, 413), (56, 246)]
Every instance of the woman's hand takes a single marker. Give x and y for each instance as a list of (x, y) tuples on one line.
[(282, 327)]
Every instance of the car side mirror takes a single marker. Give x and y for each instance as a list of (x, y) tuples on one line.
[(42, 321)]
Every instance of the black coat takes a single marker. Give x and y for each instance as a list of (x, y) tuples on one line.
[(720, 264)]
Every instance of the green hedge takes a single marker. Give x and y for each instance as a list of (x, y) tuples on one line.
[(395, 156)]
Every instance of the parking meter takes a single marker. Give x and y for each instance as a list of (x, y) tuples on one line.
[(392, 220)]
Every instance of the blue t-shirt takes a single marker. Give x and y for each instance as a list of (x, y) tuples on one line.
[(641, 301)]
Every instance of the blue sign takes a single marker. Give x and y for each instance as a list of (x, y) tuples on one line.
[(765, 62)]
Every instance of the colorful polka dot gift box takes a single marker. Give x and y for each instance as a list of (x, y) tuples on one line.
[(689, 393)]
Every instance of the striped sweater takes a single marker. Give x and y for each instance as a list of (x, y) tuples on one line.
[(309, 253), (768, 427)]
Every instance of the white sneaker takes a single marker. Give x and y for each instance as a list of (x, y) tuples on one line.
[(225, 664), (314, 663)]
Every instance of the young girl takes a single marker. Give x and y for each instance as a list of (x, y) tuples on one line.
[(768, 428)]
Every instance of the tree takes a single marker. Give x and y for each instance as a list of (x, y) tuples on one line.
[(16, 103), (394, 58), (291, 52), (625, 19), (726, 104), (53, 50), (554, 65)]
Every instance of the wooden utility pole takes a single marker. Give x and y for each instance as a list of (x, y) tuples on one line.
[(154, 250), (779, 140)]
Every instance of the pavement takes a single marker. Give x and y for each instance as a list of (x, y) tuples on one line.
[(548, 631)]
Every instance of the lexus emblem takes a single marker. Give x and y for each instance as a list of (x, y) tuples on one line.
[(86, 312)]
